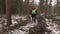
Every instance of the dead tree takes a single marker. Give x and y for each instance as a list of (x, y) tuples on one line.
[(8, 12)]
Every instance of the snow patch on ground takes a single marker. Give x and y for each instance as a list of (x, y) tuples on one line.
[(53, 28), (26, 28)]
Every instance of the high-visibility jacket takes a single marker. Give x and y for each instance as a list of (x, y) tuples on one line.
[(34, 11)]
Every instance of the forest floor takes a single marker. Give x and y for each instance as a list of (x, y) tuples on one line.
[(24, 28)]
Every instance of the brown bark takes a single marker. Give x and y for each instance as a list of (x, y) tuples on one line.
[(8, 12)]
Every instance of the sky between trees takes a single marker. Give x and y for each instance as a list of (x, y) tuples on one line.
[(54, 2)]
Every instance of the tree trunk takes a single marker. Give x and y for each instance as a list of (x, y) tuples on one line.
[(58, 7), (41, 5), (8, 12), (50, 7), (46, 5)]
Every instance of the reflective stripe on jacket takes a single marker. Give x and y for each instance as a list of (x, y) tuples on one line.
[(34, 11)]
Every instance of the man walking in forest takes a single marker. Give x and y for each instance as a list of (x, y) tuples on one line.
[(33, 14)]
